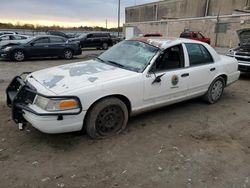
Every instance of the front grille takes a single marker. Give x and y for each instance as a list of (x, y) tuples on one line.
[(243, 59), (243, 54)]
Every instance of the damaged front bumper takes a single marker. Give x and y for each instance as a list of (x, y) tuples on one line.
[(21, 95)]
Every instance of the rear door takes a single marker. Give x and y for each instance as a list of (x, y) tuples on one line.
[(56, 46), (202, 69)]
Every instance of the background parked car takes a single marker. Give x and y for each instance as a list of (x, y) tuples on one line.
[(242, 53), (10, 38), (59, 33), (7, 32), (194, 35), (94, 40), (41, 46), (116, 39)]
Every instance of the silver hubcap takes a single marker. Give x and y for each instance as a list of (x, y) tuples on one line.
[(217, 90), (68, 54), (105, 46), (19, 56)]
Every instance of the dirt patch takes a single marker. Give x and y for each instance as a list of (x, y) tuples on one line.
[(190, 144)]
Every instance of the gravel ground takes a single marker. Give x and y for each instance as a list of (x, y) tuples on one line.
[(190, 144)]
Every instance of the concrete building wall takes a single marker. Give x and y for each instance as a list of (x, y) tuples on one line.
[(173, 28), (225, 7), (182, 9)]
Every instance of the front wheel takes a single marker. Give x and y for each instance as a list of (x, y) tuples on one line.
[(18, 55), (215, 90), (107, 118)]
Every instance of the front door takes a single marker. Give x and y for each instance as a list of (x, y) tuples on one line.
[(39, 47), (167, 79)]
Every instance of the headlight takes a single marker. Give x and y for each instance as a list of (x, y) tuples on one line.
[(230, 53), (53, 105), (7, 48)]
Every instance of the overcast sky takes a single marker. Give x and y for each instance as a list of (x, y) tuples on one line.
[(65, 12)]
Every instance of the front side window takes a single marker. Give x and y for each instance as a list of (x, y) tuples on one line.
[(198, 54), (131, 55), (172, 58)]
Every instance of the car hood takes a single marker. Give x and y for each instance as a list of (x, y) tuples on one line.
[(67, 78), (244, 37), (4, 44)]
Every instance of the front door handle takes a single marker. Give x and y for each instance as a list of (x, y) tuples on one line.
[(185, 75), (212, 69)]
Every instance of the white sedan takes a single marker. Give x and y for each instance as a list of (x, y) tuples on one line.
[(12, 38), (133, 76)]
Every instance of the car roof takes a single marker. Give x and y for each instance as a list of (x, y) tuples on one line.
[(41, 36), (163, 42), (14, 35)]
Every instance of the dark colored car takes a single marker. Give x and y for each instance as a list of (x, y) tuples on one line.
[(152, 35), (41, 46), (195, 36), (94, 40), (59, 33), (116, 39), (242, 53)]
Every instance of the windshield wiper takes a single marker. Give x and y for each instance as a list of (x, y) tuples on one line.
[(117, 64), (111, 62), (98, 58)]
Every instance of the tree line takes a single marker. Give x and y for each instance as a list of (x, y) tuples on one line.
[(54, 27)]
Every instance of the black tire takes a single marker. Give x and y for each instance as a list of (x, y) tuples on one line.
[(105, 46), (106, 118), (67, 54), (18, 55), (215, 90)]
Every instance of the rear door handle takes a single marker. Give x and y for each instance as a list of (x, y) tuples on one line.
[(185, 75), (212, 69)]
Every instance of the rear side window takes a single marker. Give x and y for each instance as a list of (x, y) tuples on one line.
[(56, 40), (198, 54)]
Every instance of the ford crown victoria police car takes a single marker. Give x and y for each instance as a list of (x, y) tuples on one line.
[(132, 77)]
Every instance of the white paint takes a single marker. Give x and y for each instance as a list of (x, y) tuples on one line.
[(129, 32)]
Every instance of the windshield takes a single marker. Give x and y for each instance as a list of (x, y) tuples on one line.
[(82, 36), (25, 41), (131, 55)]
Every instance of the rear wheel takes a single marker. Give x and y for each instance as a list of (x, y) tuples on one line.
[(215, 90), (107, 118), (68, 54), (18, 55)]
